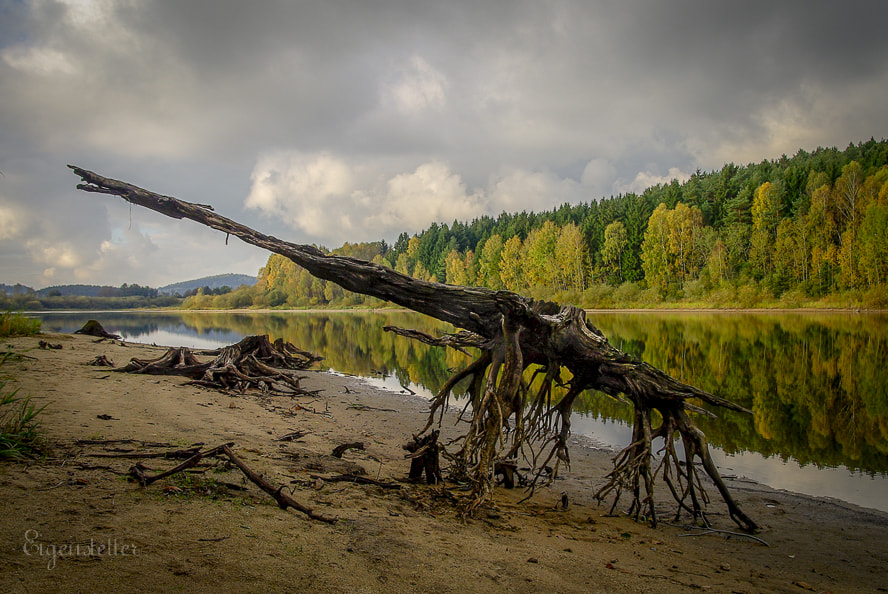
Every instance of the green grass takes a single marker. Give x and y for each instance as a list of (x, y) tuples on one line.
[(17, 324), (20, 434)]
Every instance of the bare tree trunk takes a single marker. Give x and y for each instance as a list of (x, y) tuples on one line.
[(513, 332)]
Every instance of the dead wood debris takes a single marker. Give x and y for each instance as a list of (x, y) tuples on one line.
[(424, 458), (101, 361), (355, 478), (254, 362), (94, 328), (340, 449), (139, 472)]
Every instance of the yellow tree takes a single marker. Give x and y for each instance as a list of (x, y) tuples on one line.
[(765, 220), (615, 242), (655, 249), (820, 229), (717, 263), (540, 268), (456, 269), (849, 195), (471, 268), (489, 263), (571, 257), (511, 265), (685, 224), (873, 243)]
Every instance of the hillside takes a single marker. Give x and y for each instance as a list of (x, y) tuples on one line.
[(218, 281), (16, 289)]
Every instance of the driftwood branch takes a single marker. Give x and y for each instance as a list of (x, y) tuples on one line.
[(283, 500), (514, 333)]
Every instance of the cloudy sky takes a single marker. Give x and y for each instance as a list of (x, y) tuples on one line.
[(332, 121)]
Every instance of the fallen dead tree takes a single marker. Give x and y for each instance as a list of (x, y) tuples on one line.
[(254, 362), (514, 333)]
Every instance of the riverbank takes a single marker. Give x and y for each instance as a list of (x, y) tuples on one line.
[(357, 310), (386, 540)]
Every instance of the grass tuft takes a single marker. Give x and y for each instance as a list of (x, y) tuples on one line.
[(17, 324), (20, 435)]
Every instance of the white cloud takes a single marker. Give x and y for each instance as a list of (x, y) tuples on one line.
[(11, 221), (598, 177), (647, 179), (332, 199), (432, 192), (515, 189), (55, 255), (426, 114), (417, 87), (43, 61), (307, 191)]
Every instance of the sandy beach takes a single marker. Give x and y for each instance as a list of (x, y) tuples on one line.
[(73, 522)]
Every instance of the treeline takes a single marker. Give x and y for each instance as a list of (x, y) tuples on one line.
[(124, 290), (127, 296), (811, 229)]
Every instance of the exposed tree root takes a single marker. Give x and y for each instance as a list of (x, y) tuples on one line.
[(251, 363)]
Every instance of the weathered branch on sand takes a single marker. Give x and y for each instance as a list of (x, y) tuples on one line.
[(283, 500), (515, 333), (253, 362)]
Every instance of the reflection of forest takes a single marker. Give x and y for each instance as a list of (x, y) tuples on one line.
[(816, 382), (351, 342)]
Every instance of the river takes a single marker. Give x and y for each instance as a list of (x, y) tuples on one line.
[(817, 383)]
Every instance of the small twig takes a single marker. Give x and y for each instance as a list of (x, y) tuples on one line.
[(358, 406), (353, 478), (340, 449), (292, 436), (145, 455), (138, 470), (704, 531)]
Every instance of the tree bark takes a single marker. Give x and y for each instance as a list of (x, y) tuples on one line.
[(513, 332)]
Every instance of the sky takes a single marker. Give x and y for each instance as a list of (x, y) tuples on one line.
[(334, 121)]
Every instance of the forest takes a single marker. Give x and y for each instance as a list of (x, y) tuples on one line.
[(809, 230)]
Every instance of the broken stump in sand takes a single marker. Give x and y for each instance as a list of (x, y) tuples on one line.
[(94, 328)]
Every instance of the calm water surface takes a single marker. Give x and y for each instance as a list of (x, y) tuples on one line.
[(817, 383)]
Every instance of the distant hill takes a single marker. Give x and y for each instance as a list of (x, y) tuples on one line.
[(73, 290), (214, 282), (123, 290), (16, 289)]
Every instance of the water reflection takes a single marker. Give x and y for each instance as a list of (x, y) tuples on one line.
[(815, 382)]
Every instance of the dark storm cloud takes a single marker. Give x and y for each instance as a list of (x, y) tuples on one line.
[(334, 121)]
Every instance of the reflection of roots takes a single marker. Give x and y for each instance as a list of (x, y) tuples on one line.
[(632, 470)]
